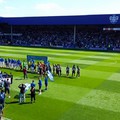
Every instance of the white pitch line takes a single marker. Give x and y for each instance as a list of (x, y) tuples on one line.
[(6, 118)]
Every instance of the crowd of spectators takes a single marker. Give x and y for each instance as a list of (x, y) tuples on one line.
[(99, 40), (61, 36)]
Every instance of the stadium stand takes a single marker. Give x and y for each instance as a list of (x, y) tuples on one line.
[(92, 32)]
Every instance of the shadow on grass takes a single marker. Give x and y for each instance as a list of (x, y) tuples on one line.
[(64, 76), (13, 102), (16, 96), (17, 102), (26, 96), (24, 103), (18, 79), (35, 76), (72, 77)]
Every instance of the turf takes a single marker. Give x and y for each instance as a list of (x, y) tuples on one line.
[(93, 96)]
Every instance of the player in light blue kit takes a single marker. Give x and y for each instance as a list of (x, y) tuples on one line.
[(40, 85)]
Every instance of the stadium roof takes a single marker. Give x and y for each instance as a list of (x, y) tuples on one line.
[(63, 20)]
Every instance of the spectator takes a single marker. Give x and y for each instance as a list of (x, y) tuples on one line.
[(22, 93)]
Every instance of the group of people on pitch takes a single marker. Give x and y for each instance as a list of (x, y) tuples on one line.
[(75, 71), (5, 81), (32, 87), (57, 69)]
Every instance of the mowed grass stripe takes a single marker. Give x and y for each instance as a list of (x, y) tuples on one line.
[(110, 86), (96, 73), (9, 55), (57, 59), (71, 90), (102, 99), (93, 73), (113, 64), (37, 110), (77, 61), (47, 50), (60, 51), (63, 89), (84, 112), (54, 54), (104, 69), (62, 92), (64, 64), (96, 98), (51, 54), (89, 62), (32, 52), (83, 81), (58, 55), (114, 77), (99, 57), (73, 52)]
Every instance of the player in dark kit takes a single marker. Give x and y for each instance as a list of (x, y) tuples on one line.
[(11, 76), (59, 70), (32, 90), (78, 71), (73, 70), (67, 71), (7, 87)]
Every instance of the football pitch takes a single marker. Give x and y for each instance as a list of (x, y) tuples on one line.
[(95, 95)]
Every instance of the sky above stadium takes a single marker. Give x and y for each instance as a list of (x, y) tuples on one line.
[(21, 8)]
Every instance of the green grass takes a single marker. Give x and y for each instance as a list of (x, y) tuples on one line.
[(93, 96)]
